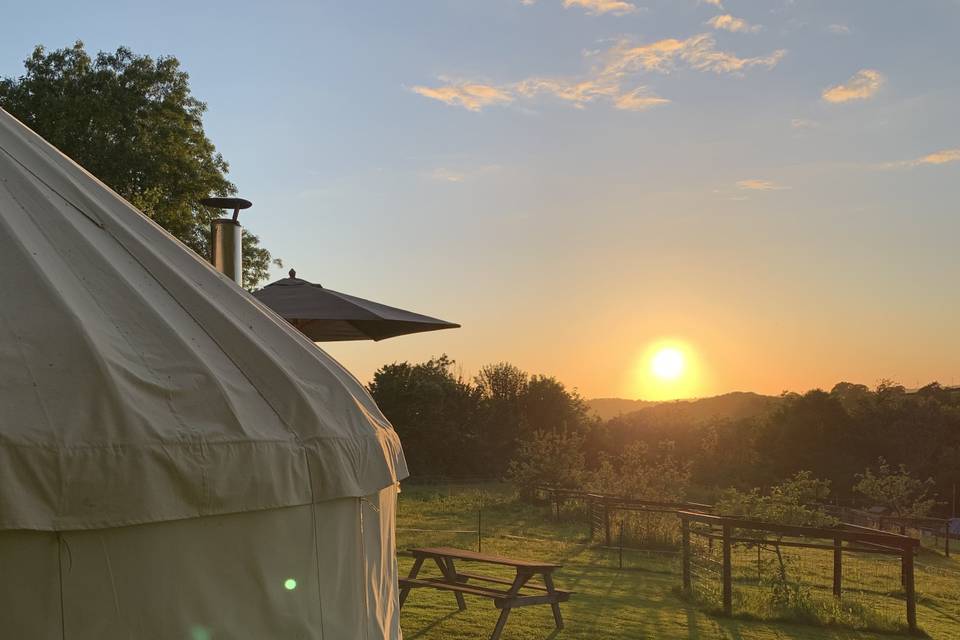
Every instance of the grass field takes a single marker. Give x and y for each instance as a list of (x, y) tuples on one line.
[(641, 600)]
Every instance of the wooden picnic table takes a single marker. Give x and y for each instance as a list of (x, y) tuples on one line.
[(504, 599)]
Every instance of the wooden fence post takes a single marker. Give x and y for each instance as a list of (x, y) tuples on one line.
[(759, 568), (946, 539), (837, 567), (909, 587), (621, 545), (590, 514), (606, 522), (685, 531), (727, 573)]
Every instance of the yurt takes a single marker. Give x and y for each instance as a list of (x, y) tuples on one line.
[(176, 461)]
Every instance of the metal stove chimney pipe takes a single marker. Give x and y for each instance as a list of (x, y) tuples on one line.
[(226, 238)]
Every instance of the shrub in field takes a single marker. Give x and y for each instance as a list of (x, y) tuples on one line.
[(644, 474), (793, 502), (896, 489), (551, 458)]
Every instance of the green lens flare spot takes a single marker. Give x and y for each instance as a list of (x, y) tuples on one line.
[(200, 633), (289, 584)]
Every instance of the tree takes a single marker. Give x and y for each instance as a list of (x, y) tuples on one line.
[(502, 388), (810, 431), (435, 415), (896, 489), (551, 458), (643, 473), (548, 406), (851, 395), (131, 121), (796, 501)]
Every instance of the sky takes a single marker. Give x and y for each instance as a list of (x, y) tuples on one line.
[(770, 188)]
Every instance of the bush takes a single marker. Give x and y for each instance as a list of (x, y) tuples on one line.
[(553, 459)]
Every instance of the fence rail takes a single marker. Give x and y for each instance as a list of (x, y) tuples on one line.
[(602, 507), (938, 527), (864, 539)]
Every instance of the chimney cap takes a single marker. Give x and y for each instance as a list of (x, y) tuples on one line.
[(228, 203)]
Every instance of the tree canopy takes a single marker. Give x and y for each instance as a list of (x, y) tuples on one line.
[(896, 489), (132, 121), (454, 427)]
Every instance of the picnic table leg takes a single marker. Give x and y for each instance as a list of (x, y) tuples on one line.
[(414, 570), (501, 623), (555, 605), (518, 582), (448, 571)]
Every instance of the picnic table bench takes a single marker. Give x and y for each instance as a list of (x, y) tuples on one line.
[(504, 599)]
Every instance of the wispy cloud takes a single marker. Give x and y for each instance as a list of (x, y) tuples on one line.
[(862, 85), (717, 3), (469, 95), (803, 123), (727, 22), (638, 100), (446, 174), (696, 52), (754, 184), (944, 156), (839, 29), (578, 93), (612, 77), (598, 7)]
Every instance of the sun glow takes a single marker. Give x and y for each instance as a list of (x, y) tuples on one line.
[(667, 363), (667, 370)]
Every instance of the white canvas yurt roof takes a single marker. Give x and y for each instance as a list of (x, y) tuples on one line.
[(139, 385)]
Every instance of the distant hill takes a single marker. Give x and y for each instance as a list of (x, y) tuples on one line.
[(733, 406), (606, 408)]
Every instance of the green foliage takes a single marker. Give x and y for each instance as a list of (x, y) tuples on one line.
[(644, 473), (131, 121), (795, 501), (756, 441), (834, 435), (435, 414), (552, 458), (452, 427), (896, 489)]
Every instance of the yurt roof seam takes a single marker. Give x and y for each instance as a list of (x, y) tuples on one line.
[(96, 222), (200, 326), (120, 330)]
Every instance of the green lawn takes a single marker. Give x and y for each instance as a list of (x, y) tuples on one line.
[(641, 600)]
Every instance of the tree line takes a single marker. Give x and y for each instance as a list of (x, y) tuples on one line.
[(882, 446)]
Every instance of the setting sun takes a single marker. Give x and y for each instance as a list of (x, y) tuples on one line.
[(667, 364), (667, 369)]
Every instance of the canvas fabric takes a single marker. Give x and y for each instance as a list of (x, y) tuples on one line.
[(312, 572), (139, 385)]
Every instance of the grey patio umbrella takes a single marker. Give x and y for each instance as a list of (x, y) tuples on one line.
[(325, 315)]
